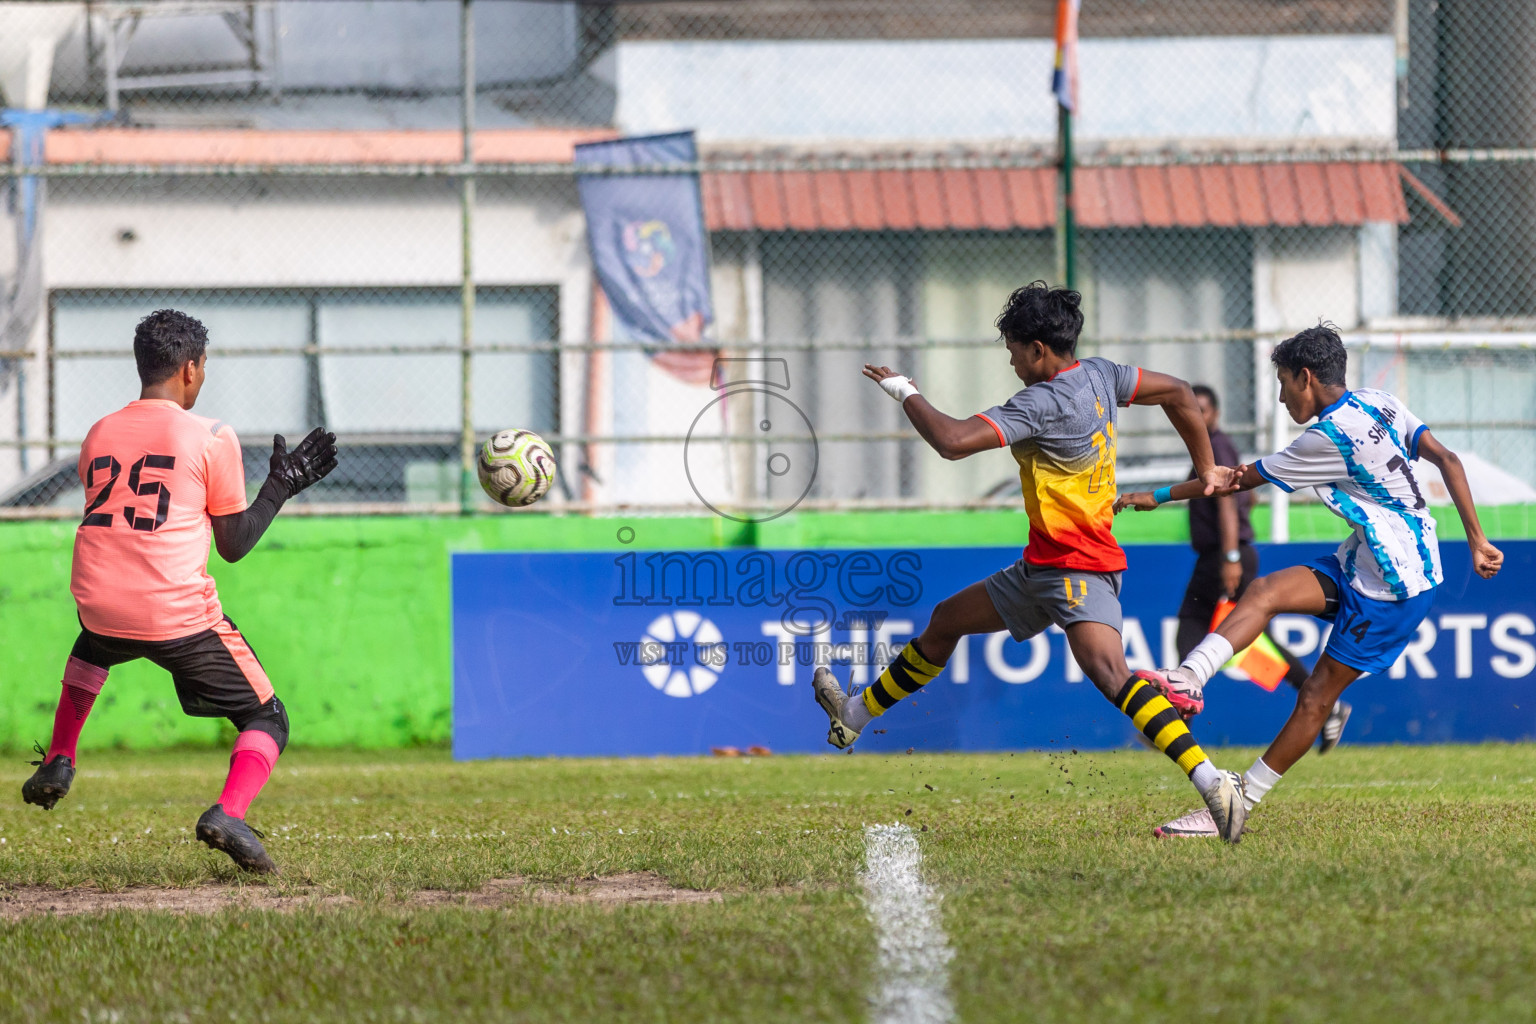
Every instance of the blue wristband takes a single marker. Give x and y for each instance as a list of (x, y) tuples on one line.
[(1162, 495)]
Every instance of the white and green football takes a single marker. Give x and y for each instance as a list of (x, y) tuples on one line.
[(516, 467)]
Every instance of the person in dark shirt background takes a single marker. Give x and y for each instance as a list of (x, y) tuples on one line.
[(1226, 562)]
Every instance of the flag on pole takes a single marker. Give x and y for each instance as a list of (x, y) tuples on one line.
[(1064, 74), (649, 247)]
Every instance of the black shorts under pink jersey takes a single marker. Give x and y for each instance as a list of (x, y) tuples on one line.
[(215, 672)]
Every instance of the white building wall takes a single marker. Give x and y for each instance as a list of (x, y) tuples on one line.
[(1303, 275), (294, 235), (1378, 270), (284, 234), (1336, 87)]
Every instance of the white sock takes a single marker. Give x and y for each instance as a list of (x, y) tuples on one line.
[(1205, 777), (1258, 781), (1208, 657), (856, 713)]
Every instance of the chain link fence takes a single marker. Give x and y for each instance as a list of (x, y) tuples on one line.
[(875, 176)]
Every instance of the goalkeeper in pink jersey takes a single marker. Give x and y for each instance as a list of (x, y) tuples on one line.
[(159, 483)]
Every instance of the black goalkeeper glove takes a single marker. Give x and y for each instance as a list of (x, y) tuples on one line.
[(307, 464)]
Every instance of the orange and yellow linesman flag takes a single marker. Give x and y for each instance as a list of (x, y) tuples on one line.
[(1261, 660), (1064, 73)]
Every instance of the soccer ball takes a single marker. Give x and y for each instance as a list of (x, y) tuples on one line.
[(516, 467)]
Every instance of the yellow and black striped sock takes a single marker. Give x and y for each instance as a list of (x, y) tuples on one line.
[(1150, 712), (903, 677)]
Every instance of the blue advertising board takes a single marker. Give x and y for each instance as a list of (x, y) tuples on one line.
[(672, 652)]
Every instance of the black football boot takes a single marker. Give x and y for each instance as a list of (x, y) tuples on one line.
[(50, 783), (228, 833)]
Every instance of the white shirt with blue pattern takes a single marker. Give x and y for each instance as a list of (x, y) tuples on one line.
[(1358, 457)]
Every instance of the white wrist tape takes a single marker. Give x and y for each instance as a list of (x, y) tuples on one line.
[(899, 387)]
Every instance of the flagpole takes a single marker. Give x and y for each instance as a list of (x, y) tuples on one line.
[(1064, 87), (1066, 219)]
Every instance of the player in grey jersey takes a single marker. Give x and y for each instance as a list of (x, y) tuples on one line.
[(1060, 429)]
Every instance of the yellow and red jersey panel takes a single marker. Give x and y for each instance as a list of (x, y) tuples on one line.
[(1062, 434)]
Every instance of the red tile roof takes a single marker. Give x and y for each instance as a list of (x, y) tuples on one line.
[(963, 199)]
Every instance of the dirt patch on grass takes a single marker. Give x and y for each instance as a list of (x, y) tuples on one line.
[(30, 901), (636, 887)]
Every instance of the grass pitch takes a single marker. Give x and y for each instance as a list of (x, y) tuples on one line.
[(1377, 884)]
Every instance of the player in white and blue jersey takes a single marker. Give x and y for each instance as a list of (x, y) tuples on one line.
[(1376, 588)]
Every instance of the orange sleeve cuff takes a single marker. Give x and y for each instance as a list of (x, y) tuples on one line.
[(1002, 442), (1137, 389)]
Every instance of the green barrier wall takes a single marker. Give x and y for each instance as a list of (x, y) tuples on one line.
[(350, 615)]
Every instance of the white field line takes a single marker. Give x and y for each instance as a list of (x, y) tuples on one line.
[(913, 965)]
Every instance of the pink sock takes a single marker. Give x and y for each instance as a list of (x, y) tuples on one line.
[(82, 682), (250, 764)]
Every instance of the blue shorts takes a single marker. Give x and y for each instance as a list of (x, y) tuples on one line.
[(1367, 634)]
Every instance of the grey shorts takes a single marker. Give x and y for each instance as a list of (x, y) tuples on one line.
[(1030, 598)]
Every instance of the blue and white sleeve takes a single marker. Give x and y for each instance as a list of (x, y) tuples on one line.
[(1413, 429), (1309, 461)]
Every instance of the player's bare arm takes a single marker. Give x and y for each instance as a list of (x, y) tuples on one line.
[(1486, 558), (1234, 479), (951, 438), (1182, 409), (1226, 516)]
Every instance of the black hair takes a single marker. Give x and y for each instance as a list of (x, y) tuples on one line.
[(1318, 349), (165, 341), (1208, 392), (1038, 312)]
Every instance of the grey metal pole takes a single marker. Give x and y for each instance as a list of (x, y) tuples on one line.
[(757, 332), (467, 475)]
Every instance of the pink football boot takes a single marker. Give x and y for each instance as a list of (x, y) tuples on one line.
[(1186, 695)]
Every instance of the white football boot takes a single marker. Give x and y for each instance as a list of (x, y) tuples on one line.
[(1194, 825), (1228, 811), (832, 698), (1201, 824)]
